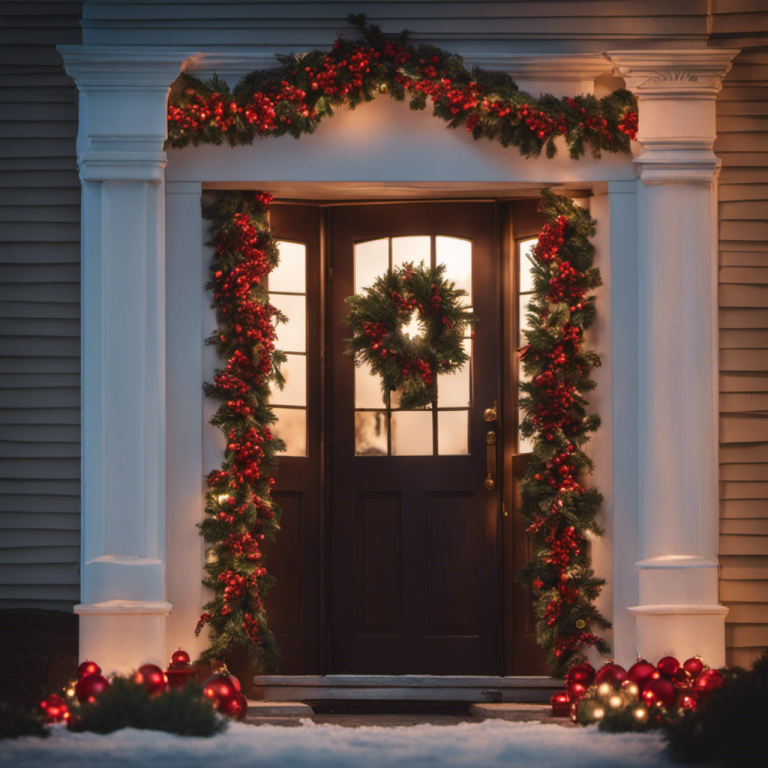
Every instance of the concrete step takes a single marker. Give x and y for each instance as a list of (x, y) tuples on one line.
[(518, 713), (272, 709)]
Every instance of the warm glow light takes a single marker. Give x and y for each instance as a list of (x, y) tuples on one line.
[(604, 689), (639, 713), (223, 497), (615, 701), (598, 713), (70, 692)]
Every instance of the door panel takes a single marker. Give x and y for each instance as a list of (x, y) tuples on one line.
[(414, 550)]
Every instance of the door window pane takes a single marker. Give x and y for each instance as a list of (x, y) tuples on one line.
[(525, 282), (291, 336), (367, 388), (371, 261), (452, 433), (294, 392), (453, 389), (456, 254), (415, 249), (370, 433), (291, 273), (412, 433), (291, 426)]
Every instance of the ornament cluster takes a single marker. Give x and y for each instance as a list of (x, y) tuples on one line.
[(239, 507), (409, 365), (558, 509), (296, 96), (642, 697), (91, 689)]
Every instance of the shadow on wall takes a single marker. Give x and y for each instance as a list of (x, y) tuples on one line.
[(38, 649)]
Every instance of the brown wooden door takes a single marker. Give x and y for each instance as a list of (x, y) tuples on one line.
[(414, 552)]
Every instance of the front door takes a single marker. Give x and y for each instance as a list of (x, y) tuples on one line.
[(414, 560)]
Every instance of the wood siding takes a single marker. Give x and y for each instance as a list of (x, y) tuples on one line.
[(39, 309), (545, 26), (742, 143)]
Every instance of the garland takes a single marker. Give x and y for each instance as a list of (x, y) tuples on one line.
[(558, 510), (378, 316), (240, 509), (295, 97)]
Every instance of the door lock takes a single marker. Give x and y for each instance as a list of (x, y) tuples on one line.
[(490, 455)]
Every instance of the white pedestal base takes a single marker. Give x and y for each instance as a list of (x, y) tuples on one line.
[(121, 635)]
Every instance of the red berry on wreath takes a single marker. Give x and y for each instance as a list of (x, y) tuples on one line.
[(88, 668), (152, 678), (91, 688)]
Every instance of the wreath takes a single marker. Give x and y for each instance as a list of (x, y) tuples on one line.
[(380, 315)]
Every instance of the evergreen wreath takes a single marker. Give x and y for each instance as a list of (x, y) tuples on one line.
[(558, 510), (380, 313), (297, 95), (239, 506)]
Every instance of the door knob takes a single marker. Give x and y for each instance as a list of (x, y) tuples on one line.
[(490, 414)]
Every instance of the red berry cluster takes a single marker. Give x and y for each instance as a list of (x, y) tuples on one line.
[(550, 240), (424, 369), (629, 124), (566, 284), (251, 628), (244, 545), (594, 123), (543, 125), (204, 619)]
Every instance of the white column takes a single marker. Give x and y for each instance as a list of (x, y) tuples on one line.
[(122, 129), (678, 611)]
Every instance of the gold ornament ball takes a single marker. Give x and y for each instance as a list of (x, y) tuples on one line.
[(383, 88)]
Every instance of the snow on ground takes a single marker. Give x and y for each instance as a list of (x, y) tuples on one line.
[(488, 744)]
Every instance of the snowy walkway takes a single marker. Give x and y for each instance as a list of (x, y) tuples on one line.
[(489, 744)]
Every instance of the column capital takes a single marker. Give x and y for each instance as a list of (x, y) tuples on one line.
[(682, 74), (123, 108)]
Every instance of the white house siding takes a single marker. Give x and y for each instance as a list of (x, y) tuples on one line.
[(742, 126), (39, 309)]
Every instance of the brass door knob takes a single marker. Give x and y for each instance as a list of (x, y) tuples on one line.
[(490, 483)]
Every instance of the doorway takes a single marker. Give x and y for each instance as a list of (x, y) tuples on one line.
[(396, 556)]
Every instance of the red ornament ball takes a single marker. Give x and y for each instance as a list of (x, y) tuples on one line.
[(53, 709), (641, 673), (575, 690), (581, 673), (686, 698), (708, 680), (179, 659), (694, 666), (152, 678), (236, 707), (659, 691), (561, 704), (682, 679), (611, 673), (88, 668), (668, 666), (91, 688), (235, 682), (220, 690)]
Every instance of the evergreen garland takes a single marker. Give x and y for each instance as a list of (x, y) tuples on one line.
[(239, 506), (558, 510), (377, 317), (295, 97)]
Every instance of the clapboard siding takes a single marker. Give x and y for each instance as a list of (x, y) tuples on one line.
[(742, 143), (39, 309), (466, 27)]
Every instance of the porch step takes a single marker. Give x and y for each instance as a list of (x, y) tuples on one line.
[(278, 709), (406, 688), (518, 713)]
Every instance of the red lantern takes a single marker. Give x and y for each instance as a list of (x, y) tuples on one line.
[(659, 691), (561, 704), (611, 673), (641, 673), (220, 690), (152, 678), (53, 709), (581, 673), (88, 668), (91, 688), (179, 659), (694, 666), (668, 666), (236, 707)]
